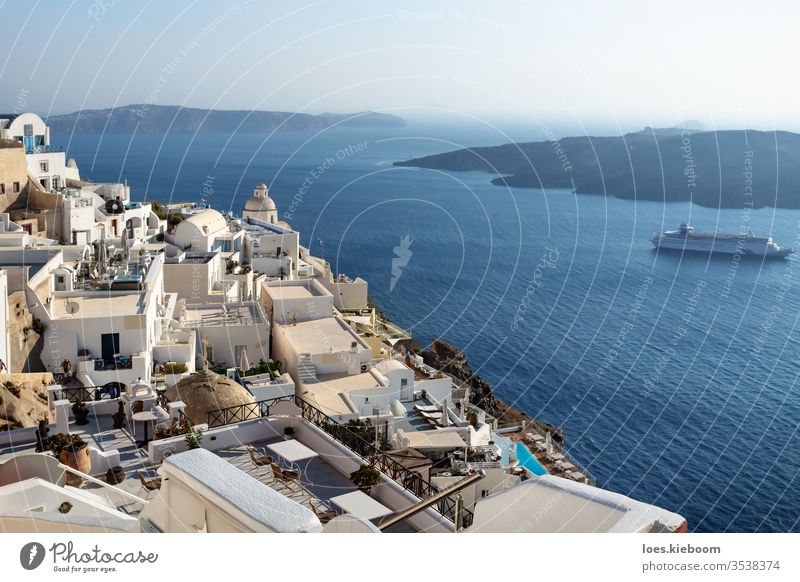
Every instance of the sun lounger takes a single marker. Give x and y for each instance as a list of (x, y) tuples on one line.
[(426, 408), (431, 415)]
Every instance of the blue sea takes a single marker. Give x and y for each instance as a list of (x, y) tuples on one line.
[(674, 377)]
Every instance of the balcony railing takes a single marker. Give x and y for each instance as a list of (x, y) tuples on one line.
[(117, 363), (410, 480), (42, 149), (90, 393)]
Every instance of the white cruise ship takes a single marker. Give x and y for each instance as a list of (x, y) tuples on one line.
[(687, 239)]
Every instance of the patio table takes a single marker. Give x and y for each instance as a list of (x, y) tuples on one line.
[(361, 505)]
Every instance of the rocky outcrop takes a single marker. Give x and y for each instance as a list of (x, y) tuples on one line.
[(25, 343), (449, 359), (23, 399)]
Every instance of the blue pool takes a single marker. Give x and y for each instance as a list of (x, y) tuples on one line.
[(527, 460)]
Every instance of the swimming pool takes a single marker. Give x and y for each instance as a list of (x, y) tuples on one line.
[(527, 460)]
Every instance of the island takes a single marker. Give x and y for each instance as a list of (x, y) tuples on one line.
[(717, 169), (151, 118)]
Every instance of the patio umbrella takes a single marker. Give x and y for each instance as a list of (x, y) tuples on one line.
[(101, 256), (244, 363), (125, 244), (247, 250)]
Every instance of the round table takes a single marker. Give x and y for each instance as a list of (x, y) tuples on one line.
[(146, 417)]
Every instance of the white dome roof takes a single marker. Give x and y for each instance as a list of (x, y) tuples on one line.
[(260, 200)]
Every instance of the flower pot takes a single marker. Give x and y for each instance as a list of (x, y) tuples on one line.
[(77, 458)]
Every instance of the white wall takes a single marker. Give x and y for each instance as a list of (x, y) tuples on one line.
[(317, 304), (5, 351)]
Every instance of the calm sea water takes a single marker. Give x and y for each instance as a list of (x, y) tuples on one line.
[(675, 378)]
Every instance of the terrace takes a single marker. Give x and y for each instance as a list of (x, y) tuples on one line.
[(322, 478)]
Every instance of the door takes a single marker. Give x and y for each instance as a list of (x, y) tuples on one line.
[(109, 343)]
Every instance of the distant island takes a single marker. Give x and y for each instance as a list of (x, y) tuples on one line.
[(718, 169), (146, 118)]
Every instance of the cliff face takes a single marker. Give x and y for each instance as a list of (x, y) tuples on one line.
[(23, 399), (451, 360), (26, 345)]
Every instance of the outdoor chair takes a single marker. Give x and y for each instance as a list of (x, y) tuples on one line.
[(150, 484), (259, 460), (324, 514), (284, 475)]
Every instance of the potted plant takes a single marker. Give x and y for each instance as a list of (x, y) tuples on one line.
[(41, 433), (81, 413), (71, 451), (365, 478), (288, 433), (193, 437)]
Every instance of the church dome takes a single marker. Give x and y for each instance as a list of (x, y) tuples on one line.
[(260, 200), (206, 391)]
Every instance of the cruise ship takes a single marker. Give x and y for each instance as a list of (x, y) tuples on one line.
[(688, 239)]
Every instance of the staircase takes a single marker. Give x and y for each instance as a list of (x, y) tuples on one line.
[(306, 371)]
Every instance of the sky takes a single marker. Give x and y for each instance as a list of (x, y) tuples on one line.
[(579, 64)]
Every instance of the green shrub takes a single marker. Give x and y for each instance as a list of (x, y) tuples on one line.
[(175, 368), (58, 441)]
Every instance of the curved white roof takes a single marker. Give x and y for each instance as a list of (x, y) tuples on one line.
[(208, 221), (217, 480)]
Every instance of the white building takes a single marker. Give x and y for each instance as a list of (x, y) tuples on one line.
[(46, 163), (207, 231), (235, 331), (290, 302), (111, 331)]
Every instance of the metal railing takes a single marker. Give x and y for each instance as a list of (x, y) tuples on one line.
[(89, 393), (410, 480), (243, 412)]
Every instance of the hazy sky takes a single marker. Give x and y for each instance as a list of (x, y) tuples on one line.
[(728, 64)]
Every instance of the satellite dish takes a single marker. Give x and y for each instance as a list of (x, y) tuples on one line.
[(73, 307)]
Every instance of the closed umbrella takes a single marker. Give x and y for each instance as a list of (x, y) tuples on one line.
[(247, 250), (244, 363), (102, 256), (548, 442), (125, 244)]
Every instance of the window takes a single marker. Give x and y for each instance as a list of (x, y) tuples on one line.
[(16, 186), (44, 167), (60, 279), (28, 129), (403, 382)]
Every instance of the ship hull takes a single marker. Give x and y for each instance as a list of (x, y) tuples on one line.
[(742, 247)]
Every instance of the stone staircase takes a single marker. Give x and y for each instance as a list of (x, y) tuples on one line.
[(306, 371)]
